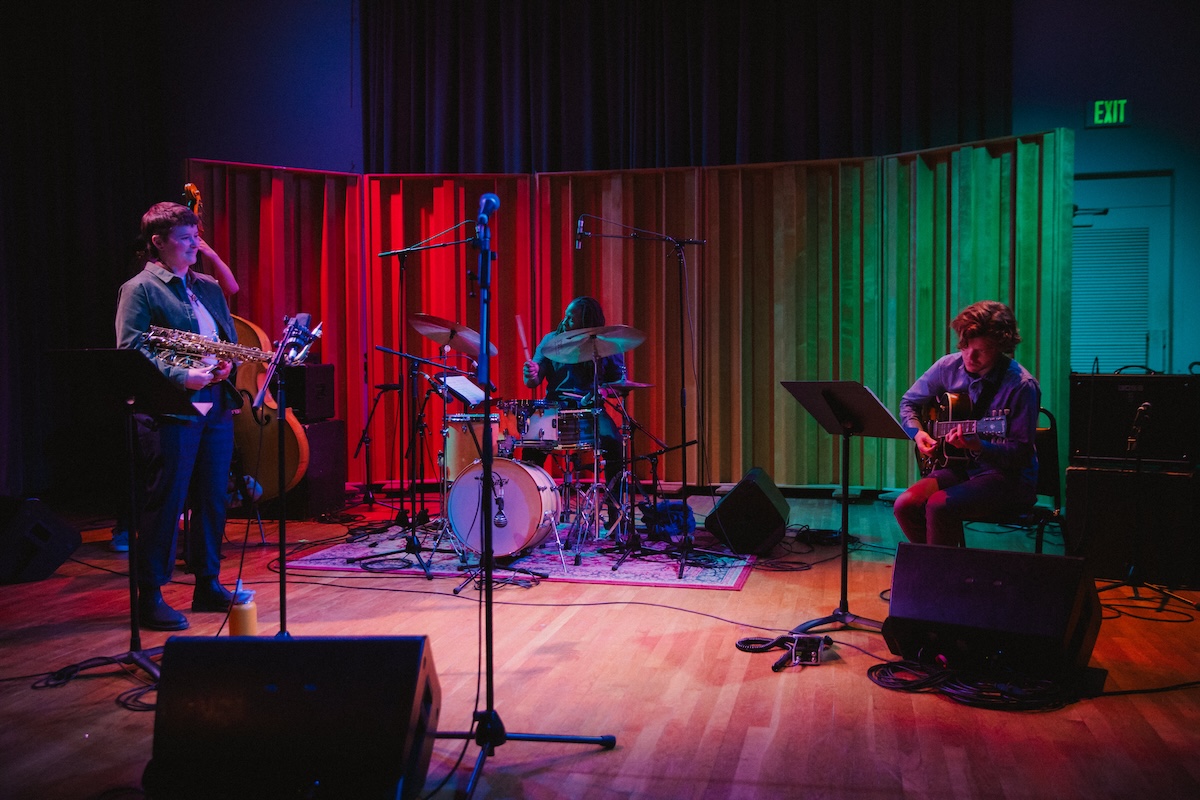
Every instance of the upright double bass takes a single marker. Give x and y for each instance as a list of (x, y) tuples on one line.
[(256, 430)]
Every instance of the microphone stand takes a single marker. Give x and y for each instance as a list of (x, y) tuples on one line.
[(1133, 576), (678, 245), (489, 730), (295, 332)]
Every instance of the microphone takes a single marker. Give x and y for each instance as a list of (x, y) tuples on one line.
[(389, 387), (1135, 432), (579, 233), (488, 205)]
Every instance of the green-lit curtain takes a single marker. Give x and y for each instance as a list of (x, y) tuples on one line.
[(852, 270)]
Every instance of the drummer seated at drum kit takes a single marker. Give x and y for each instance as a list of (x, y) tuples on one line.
[(571, 387)]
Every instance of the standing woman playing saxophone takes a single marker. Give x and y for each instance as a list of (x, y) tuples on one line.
[(180, 454)]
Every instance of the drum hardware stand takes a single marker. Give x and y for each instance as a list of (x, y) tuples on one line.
[(415, 462), (364, 444), (488, 729), (629, 541)]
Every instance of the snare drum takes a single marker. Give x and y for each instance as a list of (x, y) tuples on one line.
[(465, 438), (525, 506), (576, 429)]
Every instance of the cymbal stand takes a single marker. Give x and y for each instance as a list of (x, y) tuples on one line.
[(629, 541), (364, 445), (416, 464)]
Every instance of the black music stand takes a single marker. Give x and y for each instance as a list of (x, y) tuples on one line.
[(128, 377), (846, 409)]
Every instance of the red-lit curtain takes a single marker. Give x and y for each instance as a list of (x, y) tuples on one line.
[(294, 242)]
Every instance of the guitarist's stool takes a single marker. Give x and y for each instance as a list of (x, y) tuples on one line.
[(1049, 484)]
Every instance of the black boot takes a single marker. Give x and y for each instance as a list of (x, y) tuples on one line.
[(155, 614), (210, 595)]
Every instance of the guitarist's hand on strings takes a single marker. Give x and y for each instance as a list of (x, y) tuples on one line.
[(926, 444), (956, 438)]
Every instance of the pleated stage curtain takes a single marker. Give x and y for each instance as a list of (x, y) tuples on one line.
[(831, 270)]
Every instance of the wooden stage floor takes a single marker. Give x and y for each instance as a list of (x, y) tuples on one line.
[(693, 716)]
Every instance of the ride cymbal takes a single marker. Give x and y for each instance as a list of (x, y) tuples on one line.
[(584, 344), (459, 337)]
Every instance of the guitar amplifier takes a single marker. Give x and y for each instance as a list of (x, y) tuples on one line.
[(1157, 412)]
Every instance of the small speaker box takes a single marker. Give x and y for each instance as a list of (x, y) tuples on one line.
[(33, 542), (753, 517), (309, 391)]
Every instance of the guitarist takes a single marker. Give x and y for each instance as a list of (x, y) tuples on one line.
[(998, 475), (180, 453)]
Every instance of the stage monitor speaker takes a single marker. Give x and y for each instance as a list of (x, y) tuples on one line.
[(33, 542), (309, 390), (1103, 409), (752, 517), (992, 610), (241, 717), (1116, 517)]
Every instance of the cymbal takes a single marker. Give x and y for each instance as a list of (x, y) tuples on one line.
[(584, 344), (444, 332), (625, 385)]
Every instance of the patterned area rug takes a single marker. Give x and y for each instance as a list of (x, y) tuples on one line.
[(709, 565)]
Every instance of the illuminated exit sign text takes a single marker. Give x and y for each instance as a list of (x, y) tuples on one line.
[(1107, 113)]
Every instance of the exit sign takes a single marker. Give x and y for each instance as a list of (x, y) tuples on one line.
[(1108, 113)]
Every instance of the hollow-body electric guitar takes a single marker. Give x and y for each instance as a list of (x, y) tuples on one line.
[(952, 411)]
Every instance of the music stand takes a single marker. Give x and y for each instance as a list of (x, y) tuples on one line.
[(846, 409), (129, 377)]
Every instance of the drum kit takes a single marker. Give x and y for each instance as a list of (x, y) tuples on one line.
[(528, 503)]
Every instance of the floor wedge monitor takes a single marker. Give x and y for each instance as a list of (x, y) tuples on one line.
[(752, 518), (966, 608), (241, 717)]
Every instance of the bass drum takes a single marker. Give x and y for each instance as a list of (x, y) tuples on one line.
[(525, 506)]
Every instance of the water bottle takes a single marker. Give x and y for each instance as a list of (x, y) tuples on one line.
[(243, 614)]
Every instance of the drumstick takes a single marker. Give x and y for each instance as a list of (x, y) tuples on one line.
[(524, 341)]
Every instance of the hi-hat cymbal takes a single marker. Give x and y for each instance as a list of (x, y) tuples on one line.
[(625, 385), (584, 344), (459, 337)]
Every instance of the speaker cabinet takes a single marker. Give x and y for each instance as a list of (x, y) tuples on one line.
[(1103, 410), (1118, 517), (753, 517), (308, 390), (1037, 615), (241, 717), (322, 490), (33, 542)]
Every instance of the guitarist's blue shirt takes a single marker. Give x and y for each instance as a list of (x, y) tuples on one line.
[(1008, 388)]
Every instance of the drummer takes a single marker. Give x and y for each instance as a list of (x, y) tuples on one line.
[(571, 386)]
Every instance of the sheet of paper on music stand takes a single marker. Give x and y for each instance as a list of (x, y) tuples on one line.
[(831, 403), (463, 388)]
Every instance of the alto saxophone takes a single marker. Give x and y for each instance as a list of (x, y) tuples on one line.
[(187, 349)]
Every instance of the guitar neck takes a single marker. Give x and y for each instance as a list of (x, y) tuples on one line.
[(940, 430)]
